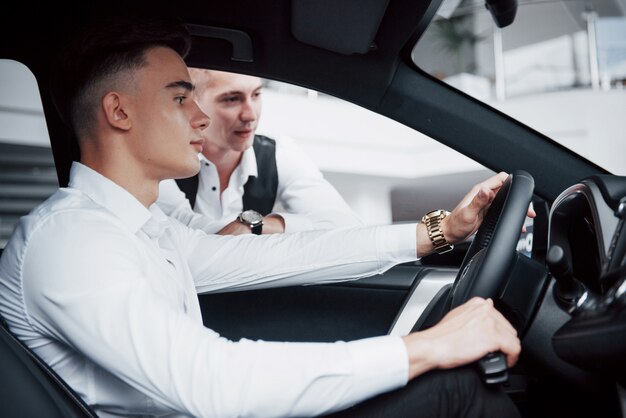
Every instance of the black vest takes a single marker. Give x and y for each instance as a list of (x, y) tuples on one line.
[(259, 193)]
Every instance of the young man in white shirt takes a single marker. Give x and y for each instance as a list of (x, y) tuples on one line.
[(102, 285), (243, 175)]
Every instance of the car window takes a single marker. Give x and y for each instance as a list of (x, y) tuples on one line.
[(560, 68), (27, 173), (387, 172)]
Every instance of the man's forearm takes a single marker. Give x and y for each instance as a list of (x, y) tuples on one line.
[(245, 262)]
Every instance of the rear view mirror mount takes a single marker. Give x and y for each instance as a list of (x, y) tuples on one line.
[(502, 11)]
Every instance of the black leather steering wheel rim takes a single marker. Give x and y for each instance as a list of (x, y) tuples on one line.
[(491, 254)]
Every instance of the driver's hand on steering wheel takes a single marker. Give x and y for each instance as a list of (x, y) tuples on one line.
[(467, 216), (466, 334)]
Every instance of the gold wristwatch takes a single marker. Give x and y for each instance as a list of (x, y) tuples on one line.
[(432, 220)]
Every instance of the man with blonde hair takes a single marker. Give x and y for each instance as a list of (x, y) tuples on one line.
[(244, 176)]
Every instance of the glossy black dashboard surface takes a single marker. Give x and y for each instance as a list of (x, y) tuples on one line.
[(588, 223), (584, 223)]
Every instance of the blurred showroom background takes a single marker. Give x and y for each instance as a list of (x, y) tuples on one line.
[(563, 75)]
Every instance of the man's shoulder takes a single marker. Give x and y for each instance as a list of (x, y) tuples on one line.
[(66, 209), (66, 200), (67, 221)]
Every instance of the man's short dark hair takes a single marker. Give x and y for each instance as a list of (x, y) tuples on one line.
[(105, 49)]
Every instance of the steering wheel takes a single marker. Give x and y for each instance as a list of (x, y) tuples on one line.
[(491, 254)]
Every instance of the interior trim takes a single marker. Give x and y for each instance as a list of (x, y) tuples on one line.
[(349, 29), (241, 41), (421, 296), (621, 393), (401, 277)]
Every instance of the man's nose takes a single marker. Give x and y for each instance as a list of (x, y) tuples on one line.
[(248, 112), (201, 120)]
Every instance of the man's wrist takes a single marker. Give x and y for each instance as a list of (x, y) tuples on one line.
[(273, 224), (253, 220), (420, 353), (424, 244)]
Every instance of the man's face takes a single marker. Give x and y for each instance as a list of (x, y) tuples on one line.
[(233, 102), (167, 121)]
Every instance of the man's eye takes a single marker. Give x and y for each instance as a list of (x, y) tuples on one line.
[(180, 99), (231, 99)]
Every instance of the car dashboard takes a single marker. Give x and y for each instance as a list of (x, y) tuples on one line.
[(584, 222), (587, 259)]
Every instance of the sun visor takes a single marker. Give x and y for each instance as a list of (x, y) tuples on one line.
[(346, 26)]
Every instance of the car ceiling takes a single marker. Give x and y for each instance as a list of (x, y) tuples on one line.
[(358, 50)]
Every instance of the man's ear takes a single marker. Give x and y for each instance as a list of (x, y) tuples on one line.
[(114, 107)]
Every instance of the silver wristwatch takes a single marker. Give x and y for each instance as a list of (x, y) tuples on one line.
[(253, 219)]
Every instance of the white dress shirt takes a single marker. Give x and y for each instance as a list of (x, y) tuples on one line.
[(104, 291), (304, 199)]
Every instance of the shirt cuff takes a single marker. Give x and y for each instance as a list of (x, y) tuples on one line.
[(397, 242), (213, 227), (295, 223), (381, 364)]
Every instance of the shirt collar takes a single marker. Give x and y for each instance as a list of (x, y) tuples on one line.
[(157, 224), (111, 196), (248, 163), (247, 166)]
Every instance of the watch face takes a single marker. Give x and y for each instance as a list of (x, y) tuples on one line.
[(251, 217)]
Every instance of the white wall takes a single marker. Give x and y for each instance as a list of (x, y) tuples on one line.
[(366, 155), (591, 122)]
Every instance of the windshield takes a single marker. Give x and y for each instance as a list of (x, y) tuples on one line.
[(559, 68)]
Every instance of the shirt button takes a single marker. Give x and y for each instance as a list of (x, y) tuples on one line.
[(206, 164), (214, 188)]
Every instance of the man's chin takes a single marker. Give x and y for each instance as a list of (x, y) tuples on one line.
[(243, 145), (188, 171)]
